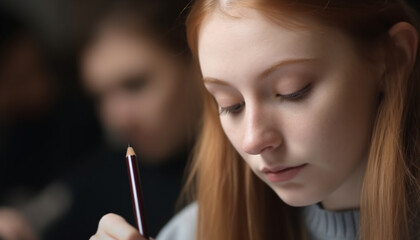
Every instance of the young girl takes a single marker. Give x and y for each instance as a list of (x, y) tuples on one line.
[(311, 122)]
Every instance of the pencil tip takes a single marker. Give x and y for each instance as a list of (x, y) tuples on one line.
[(130, 151)]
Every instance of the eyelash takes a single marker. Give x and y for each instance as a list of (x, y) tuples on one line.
[(231, 109), (295, 96)]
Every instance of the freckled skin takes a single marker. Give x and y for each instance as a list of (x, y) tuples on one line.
[(328, 128)]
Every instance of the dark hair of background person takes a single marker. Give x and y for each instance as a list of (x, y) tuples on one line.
[(162, 20)]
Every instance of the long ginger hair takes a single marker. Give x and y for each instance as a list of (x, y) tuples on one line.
[(234, 204)]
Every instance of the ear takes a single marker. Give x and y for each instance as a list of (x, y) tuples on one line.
[(405, 38)]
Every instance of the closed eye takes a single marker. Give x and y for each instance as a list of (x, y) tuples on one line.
[(234, 109), (295, 95)]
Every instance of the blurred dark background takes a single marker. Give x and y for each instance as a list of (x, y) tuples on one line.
[(60, 169)]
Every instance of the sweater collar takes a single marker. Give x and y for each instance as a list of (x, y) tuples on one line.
[(330, 225)]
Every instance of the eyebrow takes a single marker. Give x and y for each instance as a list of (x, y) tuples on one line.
[(267, 71)]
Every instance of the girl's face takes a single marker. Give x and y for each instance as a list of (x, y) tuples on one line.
[(298, 105)]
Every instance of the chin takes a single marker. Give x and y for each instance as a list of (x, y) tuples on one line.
[(297, 198)]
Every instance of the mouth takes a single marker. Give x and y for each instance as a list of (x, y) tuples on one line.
[(282, 173)]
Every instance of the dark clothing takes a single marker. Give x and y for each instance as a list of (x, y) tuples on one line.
[(33, 153), (103, 187)]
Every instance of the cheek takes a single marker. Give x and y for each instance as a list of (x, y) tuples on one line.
[(235, 132), (336, 129), (230, 130), (105, 116), (147, 108), (158, 105), (110, 111)]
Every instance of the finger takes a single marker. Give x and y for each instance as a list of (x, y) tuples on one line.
[(102, 237), (116, 227), (24, 231), (94, 237)]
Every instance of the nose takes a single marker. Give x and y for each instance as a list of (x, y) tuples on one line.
[(261, 133), (117, 113)]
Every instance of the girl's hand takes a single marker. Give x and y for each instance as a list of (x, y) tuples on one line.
[(112, 226)]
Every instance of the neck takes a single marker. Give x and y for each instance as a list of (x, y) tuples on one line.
[(347, 196)]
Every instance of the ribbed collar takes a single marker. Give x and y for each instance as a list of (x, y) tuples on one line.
[(322, 224)]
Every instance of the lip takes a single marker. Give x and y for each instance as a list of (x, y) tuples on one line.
[(282, 173)]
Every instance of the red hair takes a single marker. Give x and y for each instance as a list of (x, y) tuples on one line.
[(235, 204)]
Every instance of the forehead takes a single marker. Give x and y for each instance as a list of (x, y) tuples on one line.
[(115, 54), (251, 41), (121, 47)]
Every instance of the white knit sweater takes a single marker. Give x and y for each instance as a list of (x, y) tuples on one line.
[(321, 224)]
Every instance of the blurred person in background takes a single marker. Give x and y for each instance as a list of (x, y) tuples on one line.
[(137, 67), (44, 128)]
